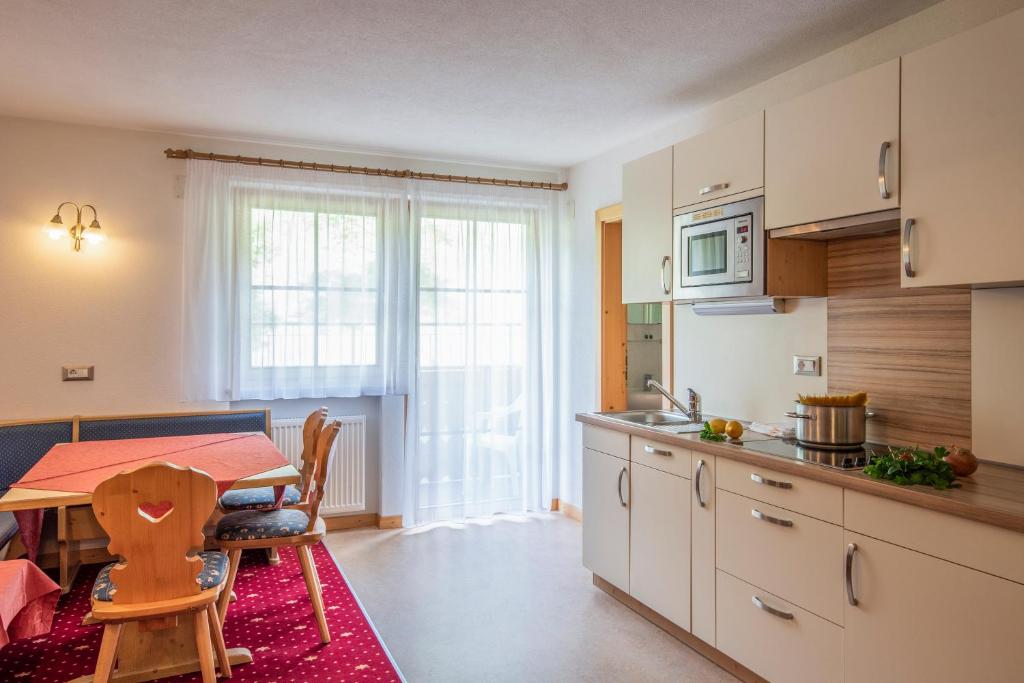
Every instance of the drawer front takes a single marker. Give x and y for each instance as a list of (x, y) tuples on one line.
[(606, 441), (801, 649), (987, 548), (808, 497), (801, 562), (672, 459), (719, 163)]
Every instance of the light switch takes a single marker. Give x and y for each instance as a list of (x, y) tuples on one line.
[(807, 365), (78, 373)]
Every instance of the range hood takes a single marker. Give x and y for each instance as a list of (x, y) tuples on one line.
[(751, 306), (836, 228)]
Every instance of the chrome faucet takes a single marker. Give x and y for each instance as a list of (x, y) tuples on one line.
[(693, 412)]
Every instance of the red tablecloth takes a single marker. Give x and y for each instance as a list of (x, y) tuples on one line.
[(27, 600), (80, 467)]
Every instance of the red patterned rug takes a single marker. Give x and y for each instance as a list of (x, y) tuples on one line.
[(272, 617)]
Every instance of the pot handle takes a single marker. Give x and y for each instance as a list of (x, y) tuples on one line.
[(798, 416)]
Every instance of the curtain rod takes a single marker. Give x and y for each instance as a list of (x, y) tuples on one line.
[(361, 170)]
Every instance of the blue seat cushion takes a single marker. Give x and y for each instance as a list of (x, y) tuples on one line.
[(249, 525), (257, 499), (8, 527), (171, 425), (22, 446), (215, 570)]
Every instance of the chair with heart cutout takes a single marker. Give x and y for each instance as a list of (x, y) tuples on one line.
[(154, 516)]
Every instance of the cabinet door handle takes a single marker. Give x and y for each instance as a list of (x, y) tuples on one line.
[(851, 550), (908, 267), (770, 482), (712, 188), (754, 512), (622, 473), (696, 484), (656, 451), (758, 603), (666, 284), (883, 159)]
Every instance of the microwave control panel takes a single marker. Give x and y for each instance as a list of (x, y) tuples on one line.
[(744, 248)]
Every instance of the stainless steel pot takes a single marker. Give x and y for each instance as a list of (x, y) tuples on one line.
[(830, 426)]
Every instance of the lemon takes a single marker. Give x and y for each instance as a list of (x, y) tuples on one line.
[(733, 429), (717, 425)]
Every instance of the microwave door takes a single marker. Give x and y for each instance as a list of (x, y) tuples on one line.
[(708, 254)]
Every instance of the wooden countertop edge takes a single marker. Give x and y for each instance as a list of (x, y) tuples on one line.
[(939, 501)]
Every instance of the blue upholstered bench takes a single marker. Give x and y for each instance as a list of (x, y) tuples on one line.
[(181, 424)]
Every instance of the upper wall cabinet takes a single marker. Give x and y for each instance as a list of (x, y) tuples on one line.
[(963, 158), (833, 152), (722, 162), (647, 228)]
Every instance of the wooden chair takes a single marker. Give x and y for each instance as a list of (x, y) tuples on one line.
[(263, 498), (154, 516), (299, 527)]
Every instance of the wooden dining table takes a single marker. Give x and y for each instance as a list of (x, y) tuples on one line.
[(67, 476)]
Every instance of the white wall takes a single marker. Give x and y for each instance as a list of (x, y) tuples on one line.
[(118, 305), (598, 182)]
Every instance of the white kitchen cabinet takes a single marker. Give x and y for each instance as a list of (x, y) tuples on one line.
[(963, 157), (647, 228), (719, 163), (826, 151), (919, 618), (702, 547), (659, 547), (606, 517)]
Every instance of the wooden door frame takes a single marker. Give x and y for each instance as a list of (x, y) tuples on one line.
[(604, 217), (613, 214)]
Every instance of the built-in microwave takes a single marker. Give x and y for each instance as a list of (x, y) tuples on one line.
[(720, 251)]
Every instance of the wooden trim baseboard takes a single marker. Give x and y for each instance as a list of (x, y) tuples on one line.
[(685, 637), (342, 522), (571, 511), (389, 521)]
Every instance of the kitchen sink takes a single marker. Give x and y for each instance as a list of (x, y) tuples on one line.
[(659, 419)]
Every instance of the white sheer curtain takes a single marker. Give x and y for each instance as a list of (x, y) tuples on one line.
[(296, 284), (481, 422)]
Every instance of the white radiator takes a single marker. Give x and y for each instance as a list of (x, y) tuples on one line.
[(346, 482)]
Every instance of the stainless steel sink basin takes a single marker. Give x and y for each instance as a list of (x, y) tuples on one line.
[(660, 419)]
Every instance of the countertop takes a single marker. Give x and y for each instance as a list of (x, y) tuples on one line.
[(993, 495)]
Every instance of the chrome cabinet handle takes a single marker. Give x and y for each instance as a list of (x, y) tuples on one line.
[(758, 603), (696, 484), (622, 473), (851, 550), (712, 188), (883, 158), (757, 478), (799, 416), (656, 451), (754, 512), (908, 267), (666, 285)]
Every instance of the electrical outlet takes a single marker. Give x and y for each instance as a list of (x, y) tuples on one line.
[(807, 365), (78, 373)]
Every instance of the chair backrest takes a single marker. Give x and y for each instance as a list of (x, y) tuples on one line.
[(324, 449), (310, 435), (154, 516)]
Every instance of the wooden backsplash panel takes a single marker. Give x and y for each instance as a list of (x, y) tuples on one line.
[(909, 349)]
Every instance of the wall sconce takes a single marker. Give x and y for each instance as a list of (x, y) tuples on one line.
[(76, 231)]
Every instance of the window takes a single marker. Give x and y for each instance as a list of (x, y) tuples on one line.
[(314, 283)]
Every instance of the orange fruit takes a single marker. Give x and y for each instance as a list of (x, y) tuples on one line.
[(733, 429)]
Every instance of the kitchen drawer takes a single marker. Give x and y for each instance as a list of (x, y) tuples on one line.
[(987, 548), (803, 648), (606, 441), (672, 459), (805, 496), (802, 563)]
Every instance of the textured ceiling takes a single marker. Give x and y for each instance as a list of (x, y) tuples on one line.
[(527, 82)]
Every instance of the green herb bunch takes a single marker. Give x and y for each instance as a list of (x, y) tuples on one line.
[(708, 434), (906, 466)]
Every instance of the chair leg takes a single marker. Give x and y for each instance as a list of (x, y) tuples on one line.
[(234, 557), (316, 573), (204, 646), (273, 557), (218, 640), (306, 560), (108, 653)]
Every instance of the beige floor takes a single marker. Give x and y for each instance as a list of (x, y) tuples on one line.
[(506, 600)]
